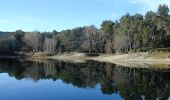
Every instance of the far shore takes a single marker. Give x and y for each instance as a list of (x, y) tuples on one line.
[(131, 57), (139, 60)]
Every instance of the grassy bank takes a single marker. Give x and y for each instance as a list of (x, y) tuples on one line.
[(142, 60), (73, 57), (139, 57), (152, 56)]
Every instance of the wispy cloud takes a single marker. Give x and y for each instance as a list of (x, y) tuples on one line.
[(4, 21), (16, 20), (151, 4), (22, 22), (104, 0)]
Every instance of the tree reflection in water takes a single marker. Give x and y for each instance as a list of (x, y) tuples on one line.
[(130, 83)]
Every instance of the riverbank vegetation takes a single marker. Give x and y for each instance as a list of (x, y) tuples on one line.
[(131, 33)]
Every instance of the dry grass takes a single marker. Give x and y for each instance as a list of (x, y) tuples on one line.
[(139, 60), (161, 55), (71, 57), (40, 54), (133, 57)]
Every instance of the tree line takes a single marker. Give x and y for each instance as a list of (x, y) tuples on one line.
[(131, 33)]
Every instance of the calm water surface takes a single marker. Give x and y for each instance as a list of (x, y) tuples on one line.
[(57, 80)]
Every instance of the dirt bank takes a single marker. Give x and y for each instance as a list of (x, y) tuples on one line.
[(142, 60)]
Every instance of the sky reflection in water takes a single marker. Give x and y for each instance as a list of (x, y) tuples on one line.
[(51, 80)]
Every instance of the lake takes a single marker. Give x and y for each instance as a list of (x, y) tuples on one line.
[(59, 80)]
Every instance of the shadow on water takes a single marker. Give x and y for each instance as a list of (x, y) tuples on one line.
[(129, 83)]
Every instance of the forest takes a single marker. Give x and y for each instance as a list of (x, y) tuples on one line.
[(130, 33)]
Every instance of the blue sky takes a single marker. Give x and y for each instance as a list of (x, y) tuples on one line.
[(47, 15)]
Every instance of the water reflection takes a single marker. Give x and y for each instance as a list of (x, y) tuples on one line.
[(133, 84)]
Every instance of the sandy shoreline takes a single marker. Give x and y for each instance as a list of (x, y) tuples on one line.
[(134, 57), (130, 60), (138, 60)]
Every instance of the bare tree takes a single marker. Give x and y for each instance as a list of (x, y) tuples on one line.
[(90, 38), (109, 46), (50, 44), (32, 39)]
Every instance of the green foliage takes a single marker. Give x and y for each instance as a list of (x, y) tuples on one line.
[(131, 33), (19, 34), (163, 10), (107, 26)]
